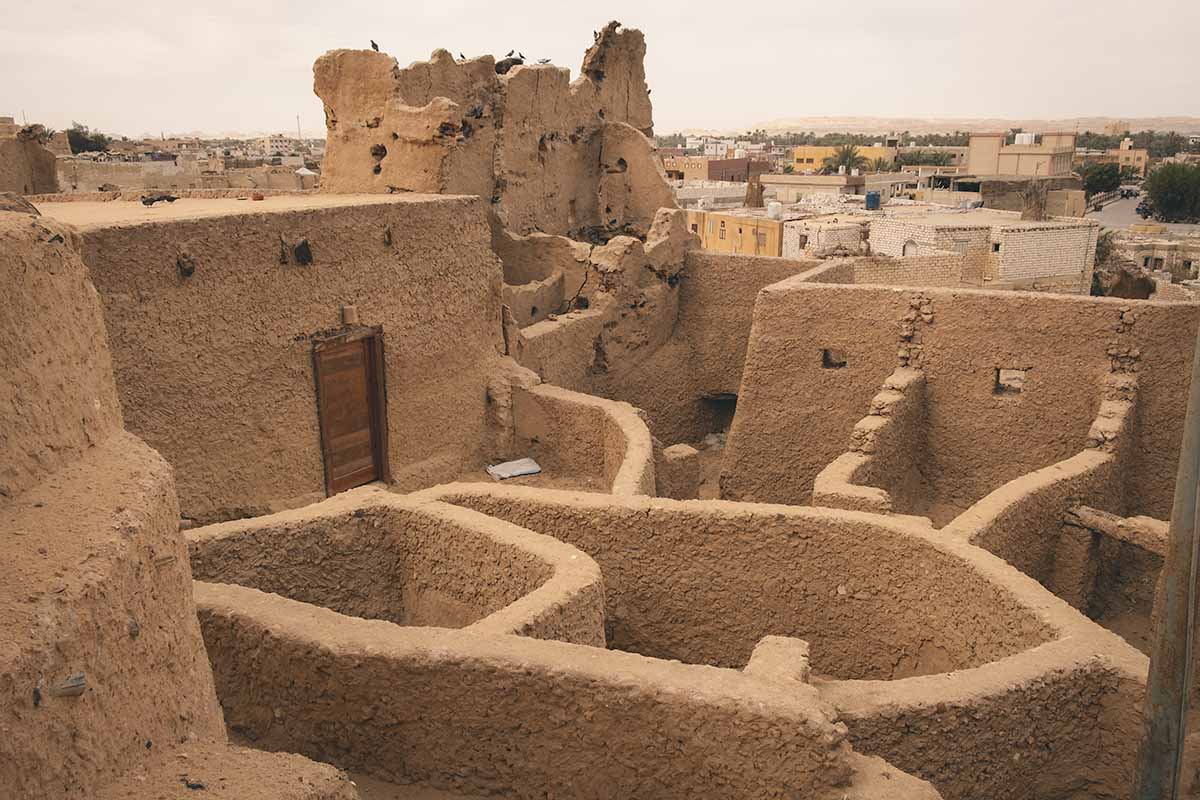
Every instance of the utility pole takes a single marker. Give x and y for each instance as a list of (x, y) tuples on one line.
[(1164, 717), (299, 135)]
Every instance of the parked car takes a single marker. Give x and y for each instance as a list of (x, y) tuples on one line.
[(1144, 210)]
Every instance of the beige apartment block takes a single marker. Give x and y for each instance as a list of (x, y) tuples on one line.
[(1041, 155)]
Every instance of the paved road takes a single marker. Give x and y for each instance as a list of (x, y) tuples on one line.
[(1122, 213)]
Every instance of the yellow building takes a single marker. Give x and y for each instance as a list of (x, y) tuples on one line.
[(811, 157), (732, 233)]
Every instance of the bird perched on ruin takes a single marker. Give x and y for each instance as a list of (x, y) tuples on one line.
[(461, 57), (505, 64), (543, 61), (520, 55), (374, 46), (509, 53)]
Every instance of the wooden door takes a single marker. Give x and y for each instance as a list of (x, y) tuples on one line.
[(351, 406)]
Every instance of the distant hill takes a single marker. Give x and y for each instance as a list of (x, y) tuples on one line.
[(882, 125)]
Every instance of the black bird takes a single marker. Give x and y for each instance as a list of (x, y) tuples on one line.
[(374, 46), (509, 53), (521, 56), (543, 61), (595, 35), (461, 57)]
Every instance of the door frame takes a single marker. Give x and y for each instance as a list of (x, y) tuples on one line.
[(376, 396)]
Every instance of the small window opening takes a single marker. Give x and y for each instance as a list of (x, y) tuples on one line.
[(694, 228), (1009, 381), (833, 359), (995, 247)]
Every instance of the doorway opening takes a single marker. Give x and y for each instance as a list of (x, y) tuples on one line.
[(352, 408)]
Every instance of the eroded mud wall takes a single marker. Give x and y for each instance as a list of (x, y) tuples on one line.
[(795, 411), (805, 573), (101, 660), (551, 154), (215, 368), (704, 353)]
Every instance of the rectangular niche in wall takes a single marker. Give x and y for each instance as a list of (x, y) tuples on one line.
[(1009, 381), (833, 359)]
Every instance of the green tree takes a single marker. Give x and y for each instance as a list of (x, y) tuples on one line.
[(1174, 191), (1100, 178), (881, 164), (83, 140), (847, 156)]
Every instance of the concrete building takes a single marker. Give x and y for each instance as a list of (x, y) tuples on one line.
[(1000, 250), (705, 168), (811, 158), (1126, 156), (792, 188), (1045, 154), (737, 233)]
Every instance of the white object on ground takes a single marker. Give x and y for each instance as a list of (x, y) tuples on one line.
[(514, 469)]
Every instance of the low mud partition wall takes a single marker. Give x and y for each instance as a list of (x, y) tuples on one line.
[(373, 555), (703, 582), (512, 716), (588, 439)]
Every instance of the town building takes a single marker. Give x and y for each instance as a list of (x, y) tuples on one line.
[(1029, 154), (1126, 156), (688, 168), (737, 233), (811, 157)]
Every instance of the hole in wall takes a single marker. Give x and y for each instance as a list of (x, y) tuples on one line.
[(833, 359), (720, 408), (1008, 381)]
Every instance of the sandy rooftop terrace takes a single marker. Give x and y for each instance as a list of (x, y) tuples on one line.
[(87, 215)]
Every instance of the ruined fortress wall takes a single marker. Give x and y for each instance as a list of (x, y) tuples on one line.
[(806, 573), (57, 398), (707, 347), (796, 414), (215, 370), (96, 580), (552, 154), (26, 167)]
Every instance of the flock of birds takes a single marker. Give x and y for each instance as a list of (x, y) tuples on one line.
[(510, 60)]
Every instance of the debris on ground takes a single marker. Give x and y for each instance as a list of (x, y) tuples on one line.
[(514, 469)]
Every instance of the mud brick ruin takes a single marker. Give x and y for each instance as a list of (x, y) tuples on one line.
[(795, 535)]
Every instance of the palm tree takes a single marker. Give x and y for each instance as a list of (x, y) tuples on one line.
[(881, 164), (847, 156)]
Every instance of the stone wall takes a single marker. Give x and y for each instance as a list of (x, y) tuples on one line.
[(1040, 252), (937, 268)]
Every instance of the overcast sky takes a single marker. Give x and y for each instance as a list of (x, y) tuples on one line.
[(142, 66)]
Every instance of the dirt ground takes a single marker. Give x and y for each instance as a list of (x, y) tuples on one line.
[(374, 789)]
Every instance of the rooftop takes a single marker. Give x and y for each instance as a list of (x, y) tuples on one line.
[(88, 215)]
